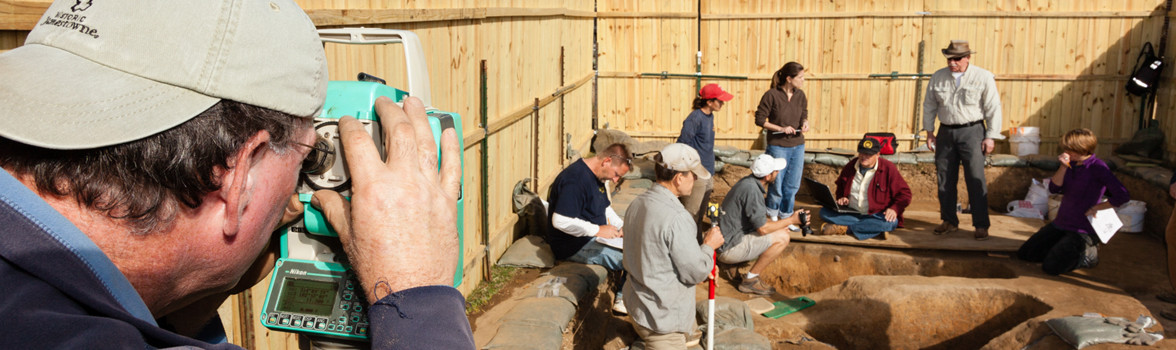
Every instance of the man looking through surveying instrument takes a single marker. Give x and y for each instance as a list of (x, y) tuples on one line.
[(662, 254), (143, 181)]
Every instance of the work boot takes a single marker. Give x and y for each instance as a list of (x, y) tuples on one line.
[(755, 286), (945, 228), (828, 229), (981, 234)]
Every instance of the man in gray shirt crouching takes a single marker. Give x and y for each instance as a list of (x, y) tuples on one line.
[(747, 232), (662, 254)]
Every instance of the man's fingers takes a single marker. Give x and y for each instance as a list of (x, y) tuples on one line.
[(425, 146), (360, 151), (293, 211), (400, 140), (335, 209), (450, 163)]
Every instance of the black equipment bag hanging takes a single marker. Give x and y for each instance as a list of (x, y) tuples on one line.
[(1147, 72)]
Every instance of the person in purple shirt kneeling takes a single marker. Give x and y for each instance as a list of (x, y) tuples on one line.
[(1069, 242)]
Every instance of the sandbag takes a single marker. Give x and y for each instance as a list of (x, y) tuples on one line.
[(727, 151), (1083, 331), (925, 157), (831, 159), (578, 280), (526, 336), (1155, 175), (530, 208), (741, 339), (734, 325), (641, 168), (547, 312), (641, 183), (1145, 143), (1006, 160), (607, 137), (1042, 161), (902, 158), (736, 161), (529, 251)]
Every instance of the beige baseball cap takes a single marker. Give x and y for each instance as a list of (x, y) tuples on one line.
[(95, 73), (681, 157)]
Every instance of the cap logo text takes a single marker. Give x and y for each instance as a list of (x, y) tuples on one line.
[(71, 21), (81, 5)]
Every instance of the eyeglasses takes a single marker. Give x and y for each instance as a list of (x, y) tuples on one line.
[(320, 158), (953, 59)]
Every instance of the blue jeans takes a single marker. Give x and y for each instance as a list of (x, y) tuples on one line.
[(861, 226), (595, 253), (782, 195)]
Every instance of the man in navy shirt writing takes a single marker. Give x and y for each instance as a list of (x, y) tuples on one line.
[(579, 211)]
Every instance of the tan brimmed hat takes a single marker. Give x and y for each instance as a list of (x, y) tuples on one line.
[(100, 73), (957, 48)]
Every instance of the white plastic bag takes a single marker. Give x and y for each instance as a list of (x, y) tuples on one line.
[(1024, 209), (1039, 195)]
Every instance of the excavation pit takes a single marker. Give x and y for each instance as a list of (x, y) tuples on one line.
[(808, 268), (881, 299)]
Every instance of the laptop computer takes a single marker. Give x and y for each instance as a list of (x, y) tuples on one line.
[(824, 196)]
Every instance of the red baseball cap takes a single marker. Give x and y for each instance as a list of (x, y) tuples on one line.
[(714, 91)]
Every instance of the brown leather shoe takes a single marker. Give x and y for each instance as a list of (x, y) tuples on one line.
[(945, 228), (828, 229), (981, 234)]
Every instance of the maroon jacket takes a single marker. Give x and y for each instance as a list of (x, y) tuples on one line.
[(887, 189)]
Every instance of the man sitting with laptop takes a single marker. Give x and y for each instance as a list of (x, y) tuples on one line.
[(747, 232), (872, 189)]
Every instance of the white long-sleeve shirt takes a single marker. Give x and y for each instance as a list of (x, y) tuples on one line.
[(583, 228)]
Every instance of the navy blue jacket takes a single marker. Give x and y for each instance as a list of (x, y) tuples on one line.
[(61, 291), (698, 132)]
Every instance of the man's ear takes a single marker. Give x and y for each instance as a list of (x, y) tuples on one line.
[(237, 181), (680, 178)]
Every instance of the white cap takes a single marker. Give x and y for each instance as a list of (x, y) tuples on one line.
[(99, 73), (765, 165), (680, 157)]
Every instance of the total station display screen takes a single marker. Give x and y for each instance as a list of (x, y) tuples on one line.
[(307, 296)]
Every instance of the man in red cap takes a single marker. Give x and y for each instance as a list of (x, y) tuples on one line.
[(698, 132)]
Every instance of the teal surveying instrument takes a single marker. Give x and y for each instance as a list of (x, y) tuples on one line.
[(313, 290)]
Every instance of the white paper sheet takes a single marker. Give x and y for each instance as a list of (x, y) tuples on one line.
[(616, 242), (1105, 223)]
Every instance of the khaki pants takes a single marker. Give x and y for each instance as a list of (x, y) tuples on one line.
[(695, 203), (656, 341)]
